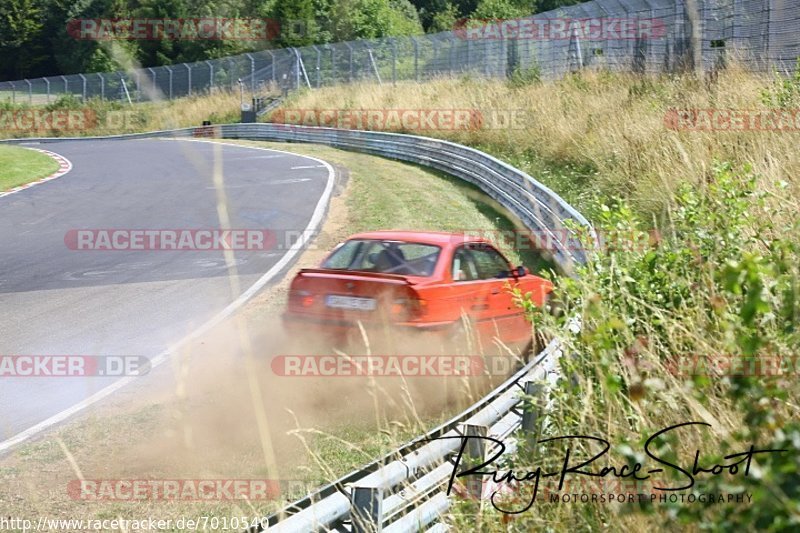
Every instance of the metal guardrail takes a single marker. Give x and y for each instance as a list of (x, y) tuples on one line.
[(401, 492), (404, 490)]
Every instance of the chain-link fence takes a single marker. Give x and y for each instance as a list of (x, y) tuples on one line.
[(646, 36)]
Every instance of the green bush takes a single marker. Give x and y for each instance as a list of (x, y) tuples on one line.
[(721, 279)]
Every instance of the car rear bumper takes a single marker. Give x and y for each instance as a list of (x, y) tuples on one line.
[(300, 324)]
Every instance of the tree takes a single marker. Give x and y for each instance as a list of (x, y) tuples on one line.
[(371, 19), (296, 18), (20, 34), (445, 20), (504, 9)]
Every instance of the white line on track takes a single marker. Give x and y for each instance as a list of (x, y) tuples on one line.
[(311, 229), (306, 166)]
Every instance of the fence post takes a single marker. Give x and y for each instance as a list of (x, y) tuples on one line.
[(374, 65), (124, 88), (83, 80), (13, 92), (452, 54), (30, 91), (367, 509), (138, 86), (252, 73), (169, 69), (66, 84), (487, 46), (319, 62), (476, 454), (102, 86), (210, 75), (272, 64), (189, 74), (153, 81), (333, 63), (47, 82), (578, 52), (350, 75), (394, 61), (416, 58)]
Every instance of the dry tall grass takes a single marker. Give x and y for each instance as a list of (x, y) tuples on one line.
[(610, 126), (109, 118)]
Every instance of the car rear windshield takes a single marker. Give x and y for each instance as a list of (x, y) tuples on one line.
[(387, 257)]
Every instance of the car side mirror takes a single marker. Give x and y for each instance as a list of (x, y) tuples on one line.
[(521, 271)]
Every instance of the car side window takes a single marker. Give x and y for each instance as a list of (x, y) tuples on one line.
[(491, 264), (463, 268)]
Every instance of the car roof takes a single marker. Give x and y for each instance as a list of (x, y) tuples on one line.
[(440, 238)]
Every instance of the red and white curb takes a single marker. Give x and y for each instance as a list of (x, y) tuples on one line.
[(64, 166)]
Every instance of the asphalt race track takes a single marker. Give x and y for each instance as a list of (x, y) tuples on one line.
[(57, 300)]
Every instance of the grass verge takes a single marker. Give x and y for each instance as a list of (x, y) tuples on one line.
[(19, 166)]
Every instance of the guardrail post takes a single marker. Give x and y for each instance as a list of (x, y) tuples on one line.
[(532, 410), (367, 509), (476, 454)]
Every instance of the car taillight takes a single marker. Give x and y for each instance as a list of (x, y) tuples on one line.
[(301, 298), (407, 308)]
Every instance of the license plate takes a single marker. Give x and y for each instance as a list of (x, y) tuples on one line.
[(350, 302)]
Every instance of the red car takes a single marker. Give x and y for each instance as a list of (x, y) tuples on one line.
[(414, 282)]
